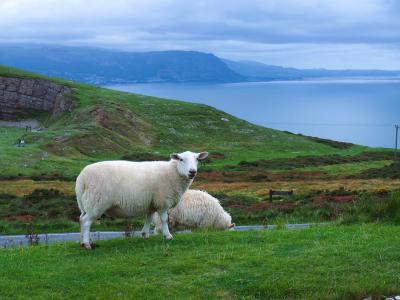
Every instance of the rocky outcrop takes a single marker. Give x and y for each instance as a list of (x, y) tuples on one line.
[(19, 96)]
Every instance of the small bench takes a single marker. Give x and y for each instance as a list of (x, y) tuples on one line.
[(280, 193)]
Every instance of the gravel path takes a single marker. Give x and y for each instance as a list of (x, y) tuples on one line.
[(22, 240), (23, 123)]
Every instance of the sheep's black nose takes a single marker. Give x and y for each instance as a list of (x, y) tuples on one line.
[(192, 173)]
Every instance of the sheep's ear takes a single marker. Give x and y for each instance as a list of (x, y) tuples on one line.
[(175, 156), (202, 156)]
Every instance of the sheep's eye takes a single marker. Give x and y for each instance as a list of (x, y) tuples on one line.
[(181, 159)]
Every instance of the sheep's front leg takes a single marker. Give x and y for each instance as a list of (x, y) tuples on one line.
[(146, 226), (86, 221), (164, 222)]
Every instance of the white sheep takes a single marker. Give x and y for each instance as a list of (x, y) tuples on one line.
[(132, 189), (197, 209)]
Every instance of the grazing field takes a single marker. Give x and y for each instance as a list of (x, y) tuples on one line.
[(329, 262)]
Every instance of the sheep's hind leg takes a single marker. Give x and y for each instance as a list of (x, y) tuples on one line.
[(146, 226), (81, 226), (164, 222), (86, 222)]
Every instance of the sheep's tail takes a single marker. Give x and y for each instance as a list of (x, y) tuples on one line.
[(79, 190)]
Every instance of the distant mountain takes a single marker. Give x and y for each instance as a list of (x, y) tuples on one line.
[(255, 71), (100, 66)]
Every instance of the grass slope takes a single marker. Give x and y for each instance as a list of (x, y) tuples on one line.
[(345, 262), (107, 124)]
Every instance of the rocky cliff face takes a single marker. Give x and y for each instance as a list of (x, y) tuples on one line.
[(18, 95)]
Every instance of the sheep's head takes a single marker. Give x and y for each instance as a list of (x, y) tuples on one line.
[(187, 162)]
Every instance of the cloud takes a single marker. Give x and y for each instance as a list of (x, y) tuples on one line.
[(302, 33)]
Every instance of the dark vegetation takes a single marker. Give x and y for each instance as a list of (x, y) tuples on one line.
[(331, 143), (392, 172), (312, 160), (50, 211), (343, 206), (144, 156)]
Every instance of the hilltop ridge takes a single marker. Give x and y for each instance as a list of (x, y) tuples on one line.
[(101, 66)]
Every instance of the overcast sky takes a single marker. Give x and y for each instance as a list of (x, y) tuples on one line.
[(305, 33)]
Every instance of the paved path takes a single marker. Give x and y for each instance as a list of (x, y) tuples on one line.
[(22, 240)]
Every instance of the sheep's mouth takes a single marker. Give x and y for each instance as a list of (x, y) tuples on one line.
[(191, 176)]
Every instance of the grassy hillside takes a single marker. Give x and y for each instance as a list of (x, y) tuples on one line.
[(345, 262), (107, 124)]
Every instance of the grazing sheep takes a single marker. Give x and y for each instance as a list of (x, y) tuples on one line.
[(131, 189), (197, 209)]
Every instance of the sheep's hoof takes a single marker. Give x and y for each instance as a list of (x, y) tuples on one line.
[(168, 237), (145, 235), (86, 246)]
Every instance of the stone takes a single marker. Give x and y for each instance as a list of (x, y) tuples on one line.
[(62, 104), (25, 101), (18, 94), (55, 87), (10, 97), (26, 87), (39, 91), (12, 84)]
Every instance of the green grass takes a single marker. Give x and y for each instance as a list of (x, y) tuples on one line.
[(7, 71), (34, 159), (345, 262)]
